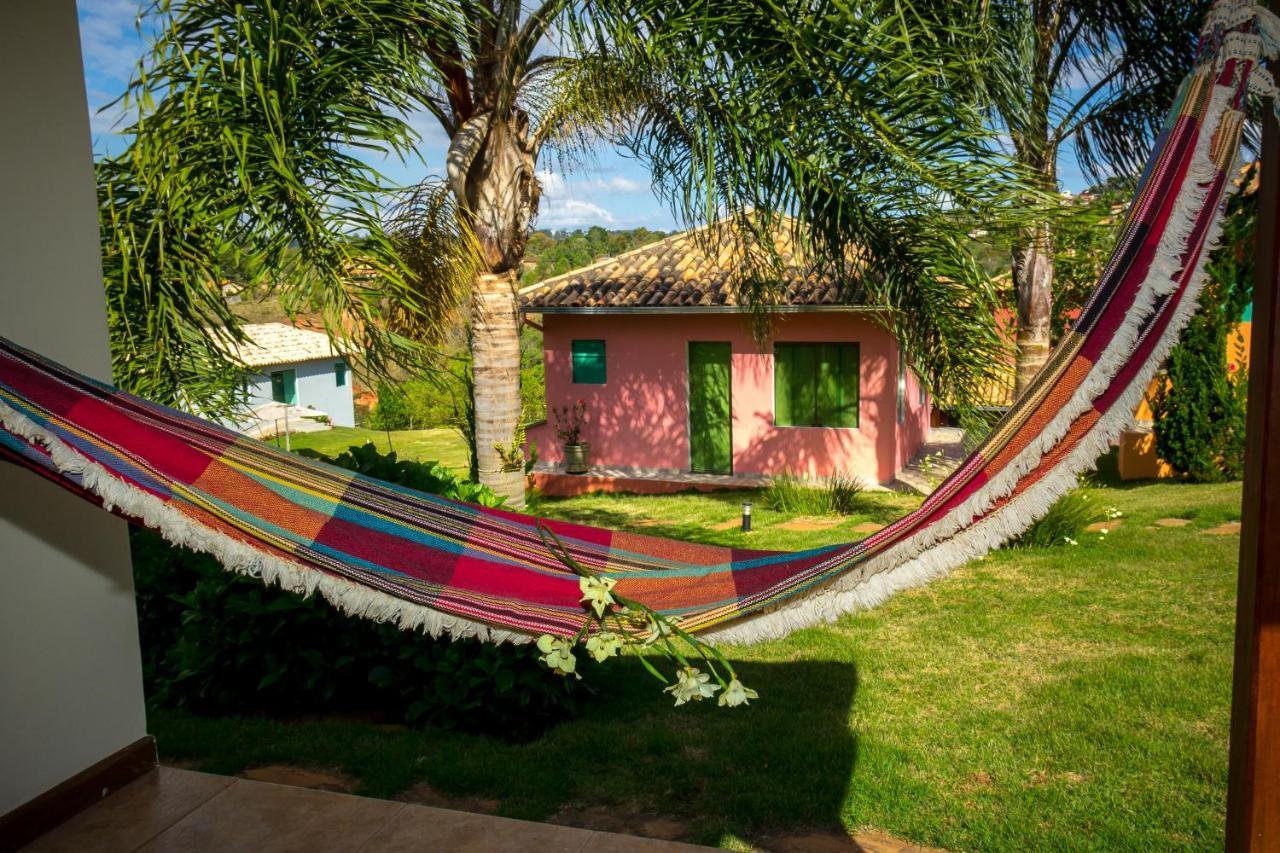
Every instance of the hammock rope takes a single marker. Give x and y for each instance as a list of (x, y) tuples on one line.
[(387, 553)]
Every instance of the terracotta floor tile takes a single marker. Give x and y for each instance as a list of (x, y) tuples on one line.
[(135, 814), (422, 828), (268, 818)]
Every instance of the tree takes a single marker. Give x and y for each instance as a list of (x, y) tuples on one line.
[(862, 122), (1199, 408), (1098, 75)]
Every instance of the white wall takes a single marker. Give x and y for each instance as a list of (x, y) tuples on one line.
[(70, 672), (317, 388)]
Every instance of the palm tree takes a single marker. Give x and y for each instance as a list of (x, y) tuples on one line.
[(864, 122), (1099, 76)]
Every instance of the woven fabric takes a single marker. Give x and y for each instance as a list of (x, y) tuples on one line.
[(393, 554)]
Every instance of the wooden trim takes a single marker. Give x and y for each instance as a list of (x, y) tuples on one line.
[(68, 798), (1253, 777)]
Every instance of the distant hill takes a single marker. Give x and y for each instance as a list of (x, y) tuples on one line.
[(552, 253)]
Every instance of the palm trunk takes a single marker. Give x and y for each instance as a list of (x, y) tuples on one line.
[(495, 350), (1033, 278)]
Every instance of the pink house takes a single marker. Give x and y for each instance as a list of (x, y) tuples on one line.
[(678, 391)]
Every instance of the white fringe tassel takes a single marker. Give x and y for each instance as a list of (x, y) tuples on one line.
[(349, 597), (930, 553), (956, 539)]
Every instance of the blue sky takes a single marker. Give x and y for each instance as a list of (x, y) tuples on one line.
[(610, 189)]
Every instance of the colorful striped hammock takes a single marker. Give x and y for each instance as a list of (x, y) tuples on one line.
[(391, 554)]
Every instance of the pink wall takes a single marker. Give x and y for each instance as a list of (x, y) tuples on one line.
[(638, 419)]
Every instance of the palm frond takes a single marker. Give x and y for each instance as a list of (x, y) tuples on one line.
[(249, 117), (863, 122)]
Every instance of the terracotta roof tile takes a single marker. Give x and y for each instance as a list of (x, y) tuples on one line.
[(678, 272)]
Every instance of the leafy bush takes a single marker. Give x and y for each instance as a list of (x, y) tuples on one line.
[(392, 410), (217, 642), (797, 495), (1064, 523), (1200, 411)]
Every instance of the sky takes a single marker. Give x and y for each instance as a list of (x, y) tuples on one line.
[(610, 189)]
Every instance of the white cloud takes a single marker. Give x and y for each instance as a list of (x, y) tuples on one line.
[(554, 184), (572, 213), (109, 38)]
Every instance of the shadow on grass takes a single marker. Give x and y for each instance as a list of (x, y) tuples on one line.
[(782, 765)]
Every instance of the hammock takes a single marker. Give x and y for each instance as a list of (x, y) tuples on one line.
[(391, 554)]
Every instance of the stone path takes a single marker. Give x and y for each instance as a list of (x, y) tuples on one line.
[(942, 453)]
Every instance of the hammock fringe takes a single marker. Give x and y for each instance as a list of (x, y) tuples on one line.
[(351, 598), (443, 567), (941, 548)]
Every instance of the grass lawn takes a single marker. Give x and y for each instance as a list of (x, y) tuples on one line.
[(438, 445), (1066, 698)]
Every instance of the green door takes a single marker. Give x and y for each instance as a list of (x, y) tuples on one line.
[(710, 424)]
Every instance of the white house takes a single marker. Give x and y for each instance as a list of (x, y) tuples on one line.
[(299, 368)]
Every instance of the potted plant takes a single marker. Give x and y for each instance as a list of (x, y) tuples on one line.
[(569, 423)]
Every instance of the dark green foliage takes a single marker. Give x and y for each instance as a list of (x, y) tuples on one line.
[(1063, 524), (557, 252), (218, 642), (392, 411), (1200, 410)]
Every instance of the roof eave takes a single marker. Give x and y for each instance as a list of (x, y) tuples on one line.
[(701, 309)]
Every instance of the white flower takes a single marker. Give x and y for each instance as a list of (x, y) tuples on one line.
[(604, 645), (1069, 540), (655, 630), (557, 654), (1102, 531), (737, 694), (692, 685), (596, 592), (1113, 513)]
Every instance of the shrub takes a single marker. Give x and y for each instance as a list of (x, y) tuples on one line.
[(392, 409), (218, 642), (1199, 413), (843, 489), (790, 493), (1063, 524)]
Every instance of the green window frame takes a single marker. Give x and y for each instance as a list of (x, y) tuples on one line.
[(340, 374), (284, 387), (588, 362), (816, 385)]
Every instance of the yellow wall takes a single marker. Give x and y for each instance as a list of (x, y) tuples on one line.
[(1138, 460)]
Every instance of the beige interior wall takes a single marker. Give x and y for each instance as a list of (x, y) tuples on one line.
[(70, 673)]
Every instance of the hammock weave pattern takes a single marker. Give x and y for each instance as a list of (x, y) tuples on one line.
[(392, 554)]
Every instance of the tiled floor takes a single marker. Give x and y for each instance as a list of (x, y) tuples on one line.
[(179, 810)]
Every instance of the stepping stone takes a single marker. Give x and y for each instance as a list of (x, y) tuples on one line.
[(1108, 525), (868, 527), (1231, 528), (725, 525), (298, 777), (1172, 522), (808, 524)]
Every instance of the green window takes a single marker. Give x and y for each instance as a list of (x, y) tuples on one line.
[(340, 374), (588, 362), (815, 385), (284, 387)]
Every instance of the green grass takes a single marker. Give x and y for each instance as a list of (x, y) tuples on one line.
[(1062, 698), (438, 445)]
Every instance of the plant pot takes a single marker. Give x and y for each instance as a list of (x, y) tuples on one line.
[(576, 458)]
